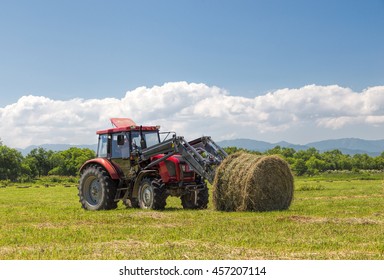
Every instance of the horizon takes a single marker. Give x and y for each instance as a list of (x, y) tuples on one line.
[(234, 139)]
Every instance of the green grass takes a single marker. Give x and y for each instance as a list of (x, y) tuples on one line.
[(331, 217)]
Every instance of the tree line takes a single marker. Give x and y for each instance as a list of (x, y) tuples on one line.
[(41, 162), (312, 162)]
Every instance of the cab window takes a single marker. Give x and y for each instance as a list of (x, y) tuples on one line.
[(102, 147), (120, 146), (151, 138)]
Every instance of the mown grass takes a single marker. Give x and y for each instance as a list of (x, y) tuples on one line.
[(331, 217)]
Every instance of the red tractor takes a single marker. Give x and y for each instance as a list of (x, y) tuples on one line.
[(134, 164)]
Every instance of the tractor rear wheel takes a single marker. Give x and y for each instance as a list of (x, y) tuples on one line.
[(151, 195), (97, 190), (195, 199)]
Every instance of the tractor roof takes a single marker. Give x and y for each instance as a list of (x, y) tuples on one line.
[(125, 124)]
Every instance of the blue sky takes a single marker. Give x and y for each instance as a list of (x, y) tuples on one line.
[(95, 49)]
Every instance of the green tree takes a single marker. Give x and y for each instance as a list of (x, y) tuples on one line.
[(10, 163), (274, 151), (30, 166), (68, 162), (231, 150), (288, 152), (345, 163), (332, 159), (378, 163), (39, 160), (300, 161), (315, 165), (307, 154), (299, 167), (362, 161)]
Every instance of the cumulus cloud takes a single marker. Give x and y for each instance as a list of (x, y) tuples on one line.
[(193, 110)]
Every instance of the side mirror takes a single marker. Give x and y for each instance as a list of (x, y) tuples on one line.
[(120, 140)]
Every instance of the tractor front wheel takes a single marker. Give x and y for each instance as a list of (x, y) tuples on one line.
[(195, 199), (151, 196), (97, 190)]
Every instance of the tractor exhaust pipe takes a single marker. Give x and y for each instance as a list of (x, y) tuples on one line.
[(143, 143)]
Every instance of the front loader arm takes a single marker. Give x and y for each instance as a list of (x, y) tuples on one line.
[(202, 154)]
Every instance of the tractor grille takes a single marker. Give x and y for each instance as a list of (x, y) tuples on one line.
[(171, 168)]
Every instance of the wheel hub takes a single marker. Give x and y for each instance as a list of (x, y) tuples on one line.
[(94, 191), (147, 197)]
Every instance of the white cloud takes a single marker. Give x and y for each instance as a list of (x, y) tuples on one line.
[(193, 110)]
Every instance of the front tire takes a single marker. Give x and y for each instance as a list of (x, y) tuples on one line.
[(151, 195), (195, 199), (97, 190)]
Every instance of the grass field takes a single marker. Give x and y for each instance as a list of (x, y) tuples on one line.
[(331, 217)]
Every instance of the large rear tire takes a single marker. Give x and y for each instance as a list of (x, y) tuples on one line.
[(97, 190), (151, 195)]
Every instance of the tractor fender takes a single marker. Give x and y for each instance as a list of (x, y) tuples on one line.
[(106, 164), (139, 178)]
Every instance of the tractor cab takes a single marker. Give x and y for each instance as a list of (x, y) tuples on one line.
[(126, 139)]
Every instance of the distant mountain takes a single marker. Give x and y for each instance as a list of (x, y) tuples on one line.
[(349, 146), (289, 145), (248, 144), (55, 147), (260, 146), (353, 145)]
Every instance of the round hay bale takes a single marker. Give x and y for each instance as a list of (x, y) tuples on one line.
[(248, 182)]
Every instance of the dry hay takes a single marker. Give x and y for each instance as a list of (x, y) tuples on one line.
[(248, 182)]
